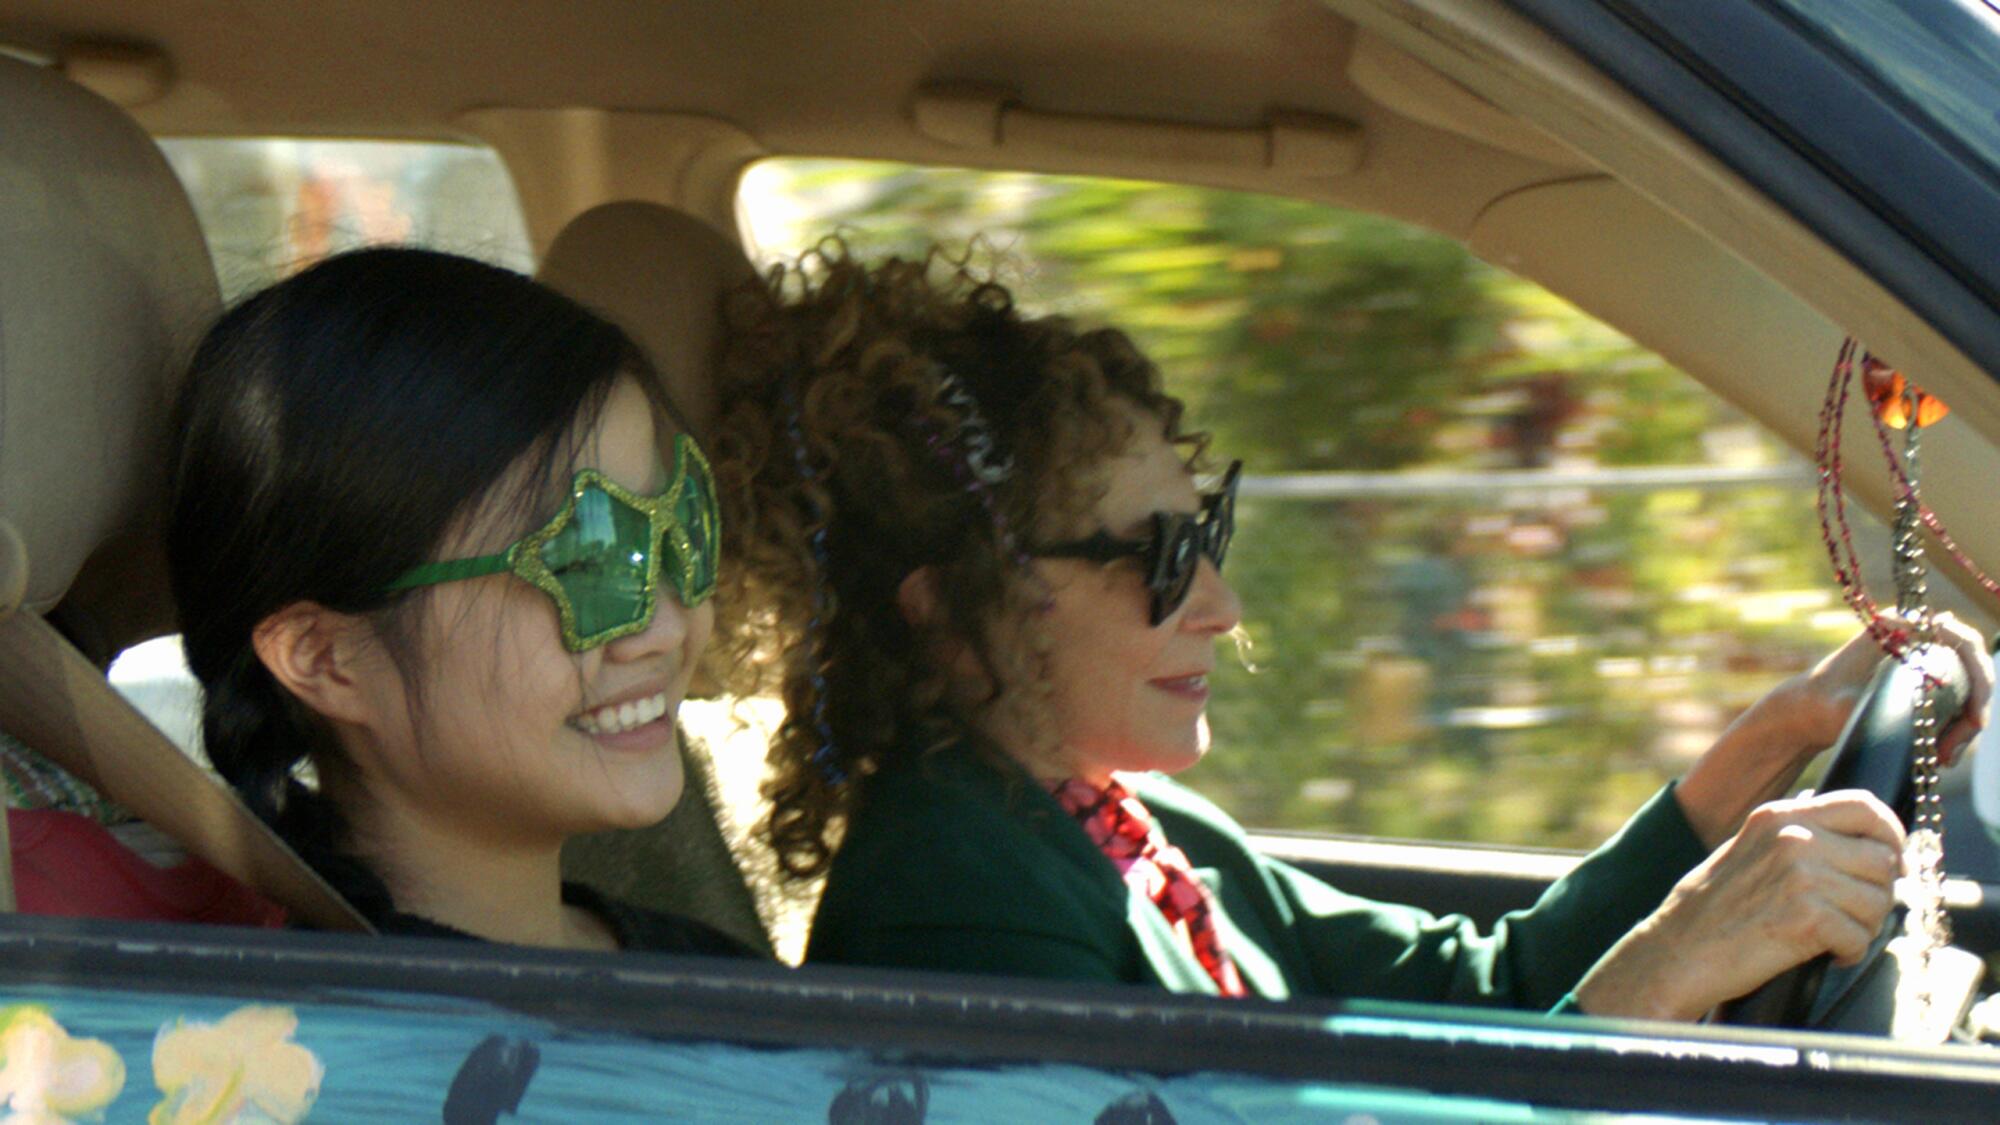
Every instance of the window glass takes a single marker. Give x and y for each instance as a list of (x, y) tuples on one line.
[(1504, 571), (270, 206), (1944, 55), (154, 677)]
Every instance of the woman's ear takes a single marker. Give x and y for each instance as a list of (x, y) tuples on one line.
[(917, 598), (922, 606), (313, 652)]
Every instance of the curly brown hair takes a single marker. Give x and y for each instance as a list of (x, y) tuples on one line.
[(843, 468)]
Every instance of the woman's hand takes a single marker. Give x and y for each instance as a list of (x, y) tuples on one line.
[(1759, 758), (1803, 877)]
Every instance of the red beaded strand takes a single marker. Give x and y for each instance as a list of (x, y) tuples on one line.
[(1831, 502)]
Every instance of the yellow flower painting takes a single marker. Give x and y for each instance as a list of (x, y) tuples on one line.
[(49, 1078), (242, 1070)]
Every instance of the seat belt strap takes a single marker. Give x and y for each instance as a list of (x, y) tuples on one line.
[(55, 700)]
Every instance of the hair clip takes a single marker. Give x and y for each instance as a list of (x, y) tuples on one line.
[(974, 464), (981, 451)]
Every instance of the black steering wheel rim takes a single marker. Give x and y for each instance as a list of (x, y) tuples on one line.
[(1873, 754)]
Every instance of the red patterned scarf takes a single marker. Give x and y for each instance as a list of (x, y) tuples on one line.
[(1126, 833)]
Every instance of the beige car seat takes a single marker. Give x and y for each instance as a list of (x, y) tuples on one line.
[(105, 285), (660, 274)]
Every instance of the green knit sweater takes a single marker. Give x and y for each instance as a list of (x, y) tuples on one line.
[(951, 864)]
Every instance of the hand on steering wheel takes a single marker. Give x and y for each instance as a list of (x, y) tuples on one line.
[(1818, 872), (1802, 877), (1874, 756), (1849, 674), (1759, 758)]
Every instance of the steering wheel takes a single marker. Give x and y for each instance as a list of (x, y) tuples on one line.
[(1872, 754)]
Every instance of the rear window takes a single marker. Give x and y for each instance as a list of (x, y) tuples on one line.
[(269, 206)]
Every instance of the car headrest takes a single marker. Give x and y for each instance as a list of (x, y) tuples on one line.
[(105, 285), (659, 274)]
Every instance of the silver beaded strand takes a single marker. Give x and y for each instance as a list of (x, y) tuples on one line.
[(1926, 923)]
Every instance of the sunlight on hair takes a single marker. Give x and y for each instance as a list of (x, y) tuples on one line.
[(1245, 647)]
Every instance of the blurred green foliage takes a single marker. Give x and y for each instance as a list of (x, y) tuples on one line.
[(1520, 669)]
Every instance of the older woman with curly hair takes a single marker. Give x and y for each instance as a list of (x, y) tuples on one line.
[(978, 541)]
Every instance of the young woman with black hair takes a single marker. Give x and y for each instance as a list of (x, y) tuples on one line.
[(439, 539), (998, 588)]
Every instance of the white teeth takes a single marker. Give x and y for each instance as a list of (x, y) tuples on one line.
[(624, 717)]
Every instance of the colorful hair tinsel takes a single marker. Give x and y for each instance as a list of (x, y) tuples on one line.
[(823, 756), (972, 454)]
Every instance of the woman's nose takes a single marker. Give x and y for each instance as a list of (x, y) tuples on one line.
[(1212, 605), (665, 633)]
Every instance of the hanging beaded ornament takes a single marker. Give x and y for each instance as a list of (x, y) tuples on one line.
[(1896, 404)]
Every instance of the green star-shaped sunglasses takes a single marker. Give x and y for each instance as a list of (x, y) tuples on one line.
[(603, 556)]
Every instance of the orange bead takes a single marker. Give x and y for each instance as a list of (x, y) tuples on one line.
[(1894, 397)]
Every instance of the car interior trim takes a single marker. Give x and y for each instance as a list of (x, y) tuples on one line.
[(566, 161), (1540, 864), (1659, 52), (125, 74), (1287, 142)]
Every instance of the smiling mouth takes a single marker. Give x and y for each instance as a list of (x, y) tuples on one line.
[(1194, 686), (629, 715)]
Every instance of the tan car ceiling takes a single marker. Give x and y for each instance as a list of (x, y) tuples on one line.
[(797, 76), (1468, 120)]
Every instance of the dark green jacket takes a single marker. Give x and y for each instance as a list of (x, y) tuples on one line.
[(950, 864)]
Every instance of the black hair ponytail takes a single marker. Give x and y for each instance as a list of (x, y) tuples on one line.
[(258, 736)]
